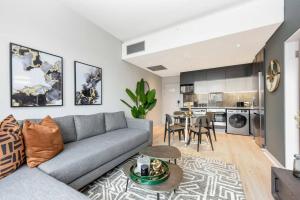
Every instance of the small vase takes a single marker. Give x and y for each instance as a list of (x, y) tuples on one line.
[(296, 169)]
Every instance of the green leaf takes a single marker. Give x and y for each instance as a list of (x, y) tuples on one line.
[(144, 99), (142, 92), (137, 90), (142, 112), (135, 112), (126, 103), (151, 96), (151, 106), (132, 96)]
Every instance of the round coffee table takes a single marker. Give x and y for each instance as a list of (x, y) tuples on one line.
[(170, 184), (162, 151)]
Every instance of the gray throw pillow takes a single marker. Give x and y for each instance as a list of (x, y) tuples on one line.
[(89, 125), (114, 121), (67, 128)]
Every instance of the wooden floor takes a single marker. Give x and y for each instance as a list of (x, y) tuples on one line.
[(253, 165)]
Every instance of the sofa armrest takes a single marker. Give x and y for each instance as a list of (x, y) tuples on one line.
[(143, 124)]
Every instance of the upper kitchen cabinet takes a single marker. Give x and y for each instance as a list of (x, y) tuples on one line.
[(200, 87), (199, 75), (239, 71), (192, 77), (215, 80), (186, 78), (239, 78), (215, 74)]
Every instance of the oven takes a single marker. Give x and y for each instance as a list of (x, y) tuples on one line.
[(219, 117)]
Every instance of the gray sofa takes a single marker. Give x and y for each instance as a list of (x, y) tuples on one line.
[(94, 144)]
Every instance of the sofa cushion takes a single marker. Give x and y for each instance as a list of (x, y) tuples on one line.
[(33, 184), (12, 148), (89, 125), (67, 127), (81, 157), (114, 121), (43, 141)]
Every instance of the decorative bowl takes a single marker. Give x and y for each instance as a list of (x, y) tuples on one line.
[(161, 173)]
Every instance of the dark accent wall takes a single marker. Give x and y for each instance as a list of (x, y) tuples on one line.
[(274, 108)]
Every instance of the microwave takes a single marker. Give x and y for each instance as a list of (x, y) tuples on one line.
[(187, 89)]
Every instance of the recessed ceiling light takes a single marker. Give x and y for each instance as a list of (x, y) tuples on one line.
[(238, 45)]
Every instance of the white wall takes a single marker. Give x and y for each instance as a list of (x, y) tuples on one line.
[(50, 27), (171, 94), (291, 105)]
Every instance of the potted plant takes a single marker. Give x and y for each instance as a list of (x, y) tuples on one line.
[(143, 99)]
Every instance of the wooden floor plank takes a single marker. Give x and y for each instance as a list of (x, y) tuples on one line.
[(253, 165)]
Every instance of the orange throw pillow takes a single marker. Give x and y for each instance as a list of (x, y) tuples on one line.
[(43, 141), (12, 153)]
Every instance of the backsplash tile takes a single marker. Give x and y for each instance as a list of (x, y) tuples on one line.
[(229, 99)]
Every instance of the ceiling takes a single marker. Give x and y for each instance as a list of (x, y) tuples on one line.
[(186, 35), (234, 49), (127, 19)]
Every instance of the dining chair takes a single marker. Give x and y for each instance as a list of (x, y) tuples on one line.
[(200, 128), (172, 128), (211, 124), (178, 119)]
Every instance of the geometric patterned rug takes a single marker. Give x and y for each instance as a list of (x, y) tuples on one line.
[(203, 179)]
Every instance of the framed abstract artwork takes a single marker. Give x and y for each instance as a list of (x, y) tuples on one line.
[(88, 84), (36, 77)]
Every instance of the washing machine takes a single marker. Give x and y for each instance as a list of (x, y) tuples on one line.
[(238, 121)]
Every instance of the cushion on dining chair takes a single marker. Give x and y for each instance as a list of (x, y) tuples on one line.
[(196, 129)]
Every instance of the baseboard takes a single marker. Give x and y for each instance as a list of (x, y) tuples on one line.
[(275, 162)]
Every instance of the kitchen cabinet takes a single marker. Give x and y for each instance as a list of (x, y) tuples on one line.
[(199, 75), (186, 78), (239, 71), (215, 74), (284, 185), (200, 87), (216, 85), (241, 84), (192, 77), (237, 78), (215, 80)]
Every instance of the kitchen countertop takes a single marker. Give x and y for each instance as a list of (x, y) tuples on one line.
[(238, 108)]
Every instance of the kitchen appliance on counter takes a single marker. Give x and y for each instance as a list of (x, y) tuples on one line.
[(238, 121), (188, 104), (240, 104), (219, 117)]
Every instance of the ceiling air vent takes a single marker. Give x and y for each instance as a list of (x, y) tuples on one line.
[(137, 47), (157, 68)]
